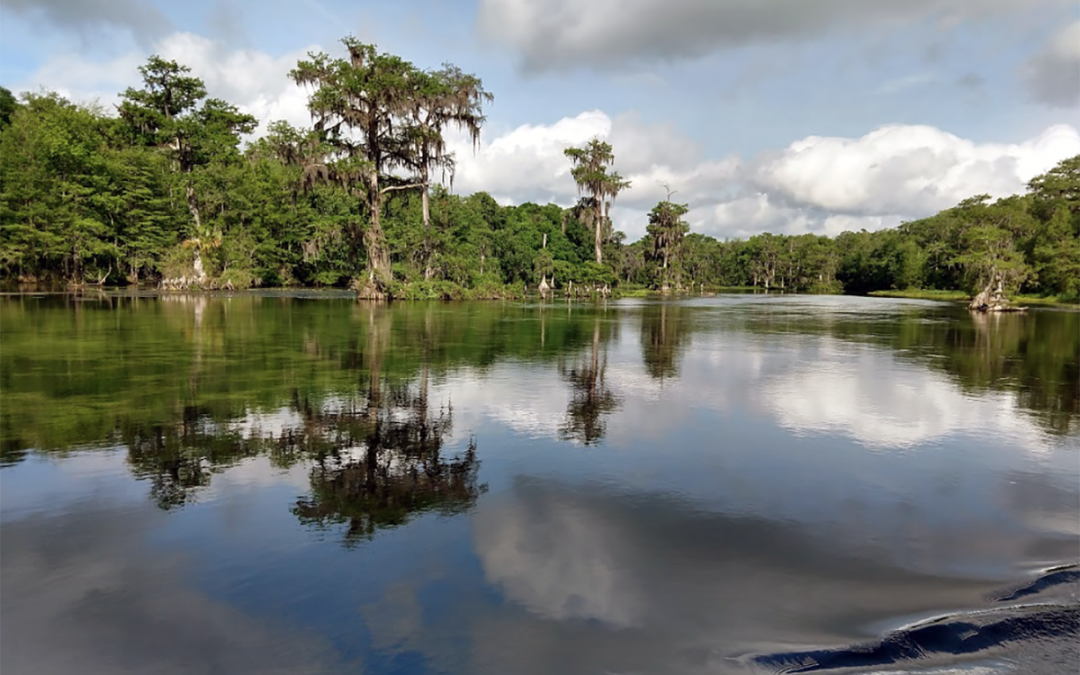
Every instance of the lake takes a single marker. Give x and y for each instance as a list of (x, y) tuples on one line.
[(298, 483)]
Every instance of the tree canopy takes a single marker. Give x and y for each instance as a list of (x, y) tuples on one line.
[(174, 188), (8, 103), (598, 186)]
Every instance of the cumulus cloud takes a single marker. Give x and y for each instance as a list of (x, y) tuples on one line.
[(1052, 76), (142, 19), (905, 170), (528, 164), (817, 184), (254, 80), (562, 34)]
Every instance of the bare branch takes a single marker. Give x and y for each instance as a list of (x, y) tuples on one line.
[(400, 187)]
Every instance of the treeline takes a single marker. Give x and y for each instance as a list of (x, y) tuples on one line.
[(163, 190)]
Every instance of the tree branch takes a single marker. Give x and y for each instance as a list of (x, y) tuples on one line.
[(400, 187)]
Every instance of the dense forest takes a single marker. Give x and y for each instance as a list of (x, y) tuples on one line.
[(170, 188)]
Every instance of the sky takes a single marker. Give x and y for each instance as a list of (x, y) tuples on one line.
[(762, 115)]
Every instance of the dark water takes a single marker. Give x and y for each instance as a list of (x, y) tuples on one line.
[(742, 484)]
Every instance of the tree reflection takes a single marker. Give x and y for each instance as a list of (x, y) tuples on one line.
[(386, 461), (173, 378), (663, 338), (179, 459), (12, 452), (591, 397), (387, 466), (1037, 355), (376, 459), (1034, 356)]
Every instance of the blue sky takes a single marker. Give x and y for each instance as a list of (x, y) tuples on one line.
[(761, 112)]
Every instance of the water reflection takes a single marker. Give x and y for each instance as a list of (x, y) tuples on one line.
[(778, 476), (882, 401), (386, 463), (664, 335), (85, 593), (591, 398), (652, 582), (179, 458)]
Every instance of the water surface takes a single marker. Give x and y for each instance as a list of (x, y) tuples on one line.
[(297, 483)]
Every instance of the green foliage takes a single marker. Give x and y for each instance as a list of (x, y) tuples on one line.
[(666, 231), (598, 187), (8, 105), (1055, 254), (1058, 188), (86, 198)]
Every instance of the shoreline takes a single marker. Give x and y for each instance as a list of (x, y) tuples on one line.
[(640, 293), (950, 296)]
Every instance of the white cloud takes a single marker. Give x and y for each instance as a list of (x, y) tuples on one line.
[(563, 34), (907, 171), (748, 215), (255, 81), (817, 184), (1052, 76), (528, 164)]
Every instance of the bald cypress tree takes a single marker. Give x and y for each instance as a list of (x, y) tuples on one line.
[(599, 186), (358, 105)]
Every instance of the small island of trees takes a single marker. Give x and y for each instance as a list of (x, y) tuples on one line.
[(163, 190)]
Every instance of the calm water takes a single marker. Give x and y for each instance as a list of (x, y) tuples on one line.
[(743, 484)]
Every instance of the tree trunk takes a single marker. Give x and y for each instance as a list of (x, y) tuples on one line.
[(598, 235), (425, 202), (992, 298), (193, 207), (200, 271), (595, 372), (378, 255)]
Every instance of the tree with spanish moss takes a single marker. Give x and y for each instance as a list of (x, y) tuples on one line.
[(599, 187), (444, 98), (667, 229), (357, 104)]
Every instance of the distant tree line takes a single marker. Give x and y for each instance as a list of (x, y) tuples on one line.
[(163, 190)]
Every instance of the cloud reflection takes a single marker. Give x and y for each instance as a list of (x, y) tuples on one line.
[(870, 395), (806, 383), (84, 594), (652, 582)]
